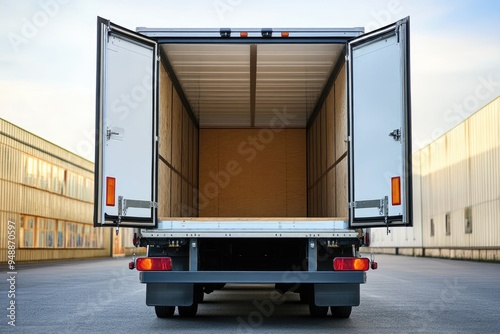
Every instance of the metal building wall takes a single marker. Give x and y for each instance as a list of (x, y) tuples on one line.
[(457, 175), (18, 199)]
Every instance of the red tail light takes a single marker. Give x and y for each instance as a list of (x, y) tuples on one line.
[(351, 263), (154, 264)]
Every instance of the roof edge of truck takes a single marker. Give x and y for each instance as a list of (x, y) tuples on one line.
[(251, 32)]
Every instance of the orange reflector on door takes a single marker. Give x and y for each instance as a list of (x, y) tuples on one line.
[(351, 263), (396, 190), (110, 191), (154, 263)]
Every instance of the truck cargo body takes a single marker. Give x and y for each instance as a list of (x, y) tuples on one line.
[(252, 155)]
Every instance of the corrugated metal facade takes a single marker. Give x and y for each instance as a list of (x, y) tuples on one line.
[(456, 194), (46, 192)]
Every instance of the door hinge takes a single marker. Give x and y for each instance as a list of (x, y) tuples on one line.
[(398, 30), (396, 134), (108, 30), (124, 204), (382, 205)]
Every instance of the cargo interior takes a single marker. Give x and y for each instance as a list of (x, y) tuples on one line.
[(252, 131)]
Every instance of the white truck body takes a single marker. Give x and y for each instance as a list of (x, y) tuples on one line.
[(325, 113)]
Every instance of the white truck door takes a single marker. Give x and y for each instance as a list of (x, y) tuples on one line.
[(126, 128), (379, 128)]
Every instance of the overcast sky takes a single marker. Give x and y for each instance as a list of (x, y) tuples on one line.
[(47, 53)]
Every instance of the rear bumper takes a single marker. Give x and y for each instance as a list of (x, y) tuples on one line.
[(248, 277)]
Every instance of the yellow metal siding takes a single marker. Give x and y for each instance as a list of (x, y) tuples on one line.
[(44, 198)]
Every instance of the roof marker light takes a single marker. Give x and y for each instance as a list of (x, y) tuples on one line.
[(285, 34)]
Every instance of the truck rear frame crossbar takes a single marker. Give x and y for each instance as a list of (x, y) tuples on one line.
[(249, 277), (250, 228)]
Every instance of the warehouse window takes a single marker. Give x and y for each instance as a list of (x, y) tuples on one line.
[(60, 234), (30, 175), (50, 226), (40, 232), (78, 187), (96, 238), (28, 231), (432, 227), (48, 233), (468, 220), (87, 237), (80, 181), (79, 235), (71, 186), (57, 180), (89, 190), (70, 235), (44, 175), (448, 224), (45, 231)]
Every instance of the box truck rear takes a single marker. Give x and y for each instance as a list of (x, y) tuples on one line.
[(252, 156)]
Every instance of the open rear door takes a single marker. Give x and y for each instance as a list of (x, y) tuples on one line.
[(126, 128), (379, 128)]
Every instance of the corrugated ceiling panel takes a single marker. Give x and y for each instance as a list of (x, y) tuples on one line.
[(291, 77), (216, 81)]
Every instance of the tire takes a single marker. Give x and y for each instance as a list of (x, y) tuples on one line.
[(188, 311), (341, 312), (164, 311), (199, 294), (304, 297), (317, 311)]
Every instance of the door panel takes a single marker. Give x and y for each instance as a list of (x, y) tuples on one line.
[(379, 128), (126, 128)]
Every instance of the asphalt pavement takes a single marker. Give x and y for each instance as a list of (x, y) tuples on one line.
[(405, 295)]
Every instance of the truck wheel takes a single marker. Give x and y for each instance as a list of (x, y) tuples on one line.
[(304, 297), (198, 293), (317, 311), (188, 311), (342, 312), (164, 311)]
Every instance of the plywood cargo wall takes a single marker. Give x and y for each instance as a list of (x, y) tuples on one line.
[(327, 155), (178, 152), (252, 173)]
